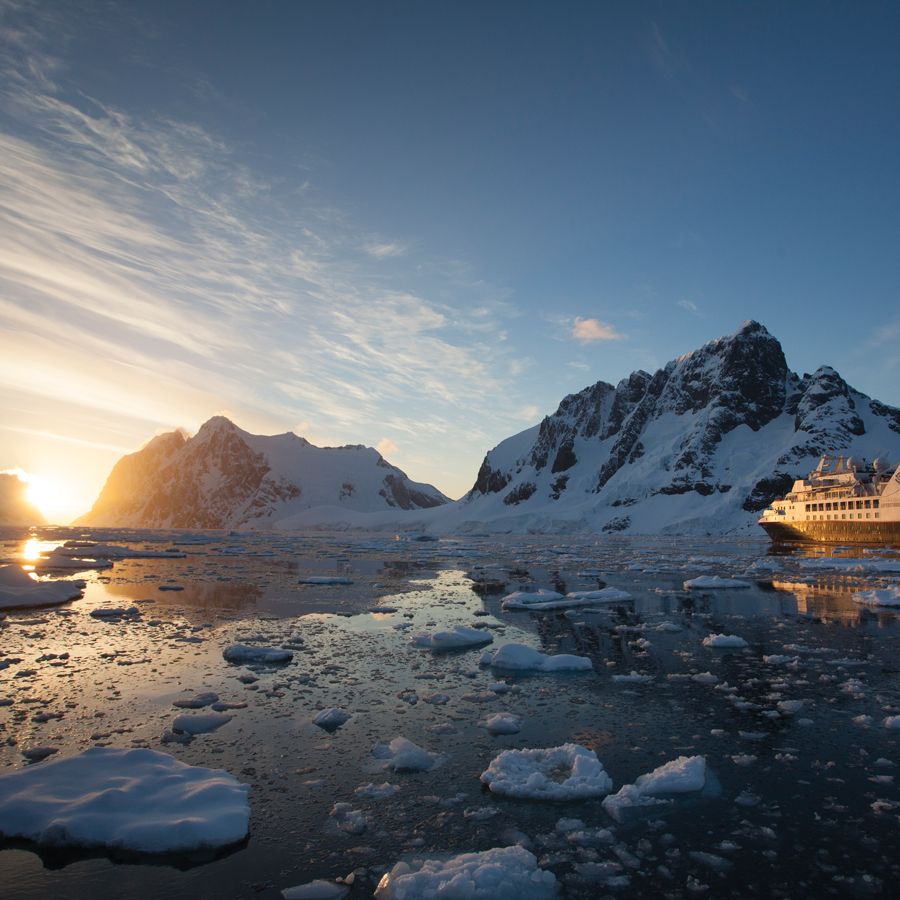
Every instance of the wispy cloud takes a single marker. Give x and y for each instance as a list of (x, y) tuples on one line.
[(385, 249), (689, 306), (588, 331)]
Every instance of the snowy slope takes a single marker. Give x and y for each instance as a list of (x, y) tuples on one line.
[(700, 446), (224, 477)]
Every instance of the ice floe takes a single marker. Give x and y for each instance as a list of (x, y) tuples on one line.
[(521, 658), (567, 772), (682, 775), (548, 600), (720, 641), (507, 873), (139, 800), (889, 596), (316, 890), (402, 755), (18, 590), (452, 639), (331, 719), (503, 723), (200, 723), (714, 582), (244, 653)]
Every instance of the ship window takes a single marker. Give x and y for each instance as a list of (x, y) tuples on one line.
[(807, 507), (859, 504), (874, 504), (868, 515), (876, 514), (859, 515), (843, 515), (843, 505), (868, 505)]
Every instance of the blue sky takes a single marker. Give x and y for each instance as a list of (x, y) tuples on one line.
[(420, 225)]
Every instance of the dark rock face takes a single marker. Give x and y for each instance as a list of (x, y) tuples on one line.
[(397, 492), (694, 403)]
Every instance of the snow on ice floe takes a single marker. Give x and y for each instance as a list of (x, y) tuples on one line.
[(507, 873), (719, 641), (632, 678), (503, 723), (548, 600), (316, 890), (889, 596), (139, 800), (198, 701), (567, 772), (521, 658), (679, 776), (372, 791), (714, 582), (331, 719), (18, 590), (893, 723), (57, 559), (453, 639), (402, 755), (243, 653)]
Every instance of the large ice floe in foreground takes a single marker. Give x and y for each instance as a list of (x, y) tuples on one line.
[(507, 873), (18, 590), (139, 800), (521, 658), (679, 776), (568, 772)]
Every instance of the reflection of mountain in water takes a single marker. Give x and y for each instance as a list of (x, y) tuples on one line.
[(196, 594)]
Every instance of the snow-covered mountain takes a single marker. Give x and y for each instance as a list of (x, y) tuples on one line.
[(15, 507), (224, 477), (700, 446)]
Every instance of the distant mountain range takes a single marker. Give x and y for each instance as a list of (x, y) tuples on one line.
[(700, 446), (224, 477), (15, 507)]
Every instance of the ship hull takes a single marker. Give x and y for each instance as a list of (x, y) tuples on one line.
[(835, 532)]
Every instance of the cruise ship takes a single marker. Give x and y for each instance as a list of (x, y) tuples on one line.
[(842, 501)]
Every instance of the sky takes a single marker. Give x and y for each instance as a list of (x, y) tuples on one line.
[(418, 226)]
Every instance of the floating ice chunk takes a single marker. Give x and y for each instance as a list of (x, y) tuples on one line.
[(889, 596), (789, 707), (372, 791), (546, 600), (348, 819), (325, 579), (633, 678), (402, 755), (776, 659), (200, 723), (682, 775), (243, 653), (719, 641), (568, 772), (892, 722), (507, 873), (316, 890), (114, 612), (113, 551), (198, 701), (459, 637), (519, 657), (138, 800), (704, 678), (18, 590), (503, 723), (58, 560), (331, 719), (714, 582)]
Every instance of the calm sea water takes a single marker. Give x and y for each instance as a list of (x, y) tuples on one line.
[(804, 804)]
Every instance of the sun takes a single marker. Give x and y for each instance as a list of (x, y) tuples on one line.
[(52, 496)]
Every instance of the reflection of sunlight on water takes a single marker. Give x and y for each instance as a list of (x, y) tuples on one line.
[(32, 550)]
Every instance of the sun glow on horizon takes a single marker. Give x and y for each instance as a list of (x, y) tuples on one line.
[(56, 498)]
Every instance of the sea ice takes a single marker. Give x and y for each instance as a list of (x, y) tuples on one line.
[(889, 596), (198, 701), (892, 722), (325, 579), (633, 678), (719, 641), (519, 657), (200, 723), (547, 600), (18, 590), (457, 638), (331, 719), (138, 800), (678, 776), (243, 653), (316, 890), (714, 582), (568, 772), (402, 755), (507, 873), (372, 791), (503, 723)]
